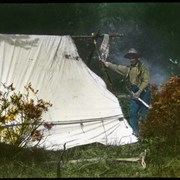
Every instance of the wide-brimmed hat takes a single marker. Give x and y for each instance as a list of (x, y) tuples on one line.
[(132, 53)]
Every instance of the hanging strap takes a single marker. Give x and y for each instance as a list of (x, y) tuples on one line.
[(105, 52), (104, 48)]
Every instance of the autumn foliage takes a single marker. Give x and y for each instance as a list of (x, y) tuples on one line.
[(163, 121), (20, 115)]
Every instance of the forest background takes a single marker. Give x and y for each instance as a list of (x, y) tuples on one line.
[(154, 30)]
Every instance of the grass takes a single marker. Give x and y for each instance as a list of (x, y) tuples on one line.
[(162, 160), (40, 163)]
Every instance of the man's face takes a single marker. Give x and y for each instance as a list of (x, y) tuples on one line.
[(133, 61)]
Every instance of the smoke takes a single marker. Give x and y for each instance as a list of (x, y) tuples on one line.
[(153, 38), (158, 73), (149, 42)]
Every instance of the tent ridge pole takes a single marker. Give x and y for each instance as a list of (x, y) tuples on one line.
[(98, 36)]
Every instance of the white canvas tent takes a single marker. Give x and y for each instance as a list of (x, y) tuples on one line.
[(83, 110)]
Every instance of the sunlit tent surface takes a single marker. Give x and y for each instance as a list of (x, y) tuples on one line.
[(83, 110)]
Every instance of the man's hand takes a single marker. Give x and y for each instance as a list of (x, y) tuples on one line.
[(104, 62), (137, 94)]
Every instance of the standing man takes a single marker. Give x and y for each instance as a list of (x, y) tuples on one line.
[(139, 78)]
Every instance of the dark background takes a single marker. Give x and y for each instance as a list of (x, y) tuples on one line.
[(152, 28)]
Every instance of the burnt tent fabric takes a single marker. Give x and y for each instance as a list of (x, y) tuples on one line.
[(83, 110)]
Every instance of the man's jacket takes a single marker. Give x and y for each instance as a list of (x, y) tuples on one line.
[(138, 74)]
